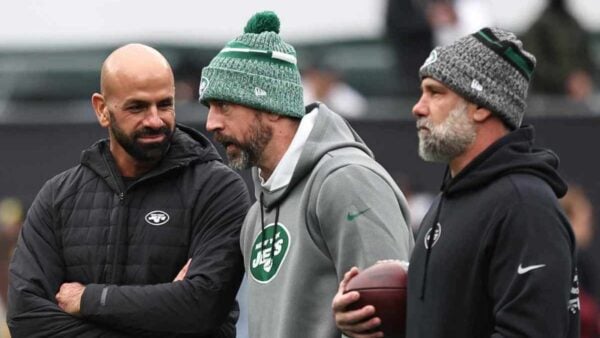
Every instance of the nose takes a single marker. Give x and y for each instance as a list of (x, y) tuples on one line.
[(152, 118), (213, 122), (420, 108)]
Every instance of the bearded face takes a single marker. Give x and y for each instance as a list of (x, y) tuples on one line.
[(246, 151), (448, 139), (142, 151)]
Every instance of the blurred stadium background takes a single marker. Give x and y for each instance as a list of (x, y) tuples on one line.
[(51, 53)]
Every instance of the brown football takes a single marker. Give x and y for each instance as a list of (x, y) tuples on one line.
[(383, 285)]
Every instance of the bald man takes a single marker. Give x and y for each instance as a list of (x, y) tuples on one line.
[(142, 237)]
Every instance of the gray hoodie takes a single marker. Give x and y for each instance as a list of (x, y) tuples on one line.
[(340, 209)]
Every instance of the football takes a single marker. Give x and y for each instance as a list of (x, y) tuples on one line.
[(383, 285)]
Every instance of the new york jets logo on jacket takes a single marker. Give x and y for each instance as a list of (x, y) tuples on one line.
[(268, 252), (437, 232), (157, 217)]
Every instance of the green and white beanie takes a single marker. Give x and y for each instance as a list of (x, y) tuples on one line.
[(489, 68), (257, 69)]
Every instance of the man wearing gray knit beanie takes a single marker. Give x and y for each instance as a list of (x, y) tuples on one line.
[(323, 204), (495, 255)]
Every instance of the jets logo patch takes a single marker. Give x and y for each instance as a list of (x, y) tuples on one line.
[(433, 56), (204, 82), (157, 217), (437, 232), (574, 305), (268, 252)]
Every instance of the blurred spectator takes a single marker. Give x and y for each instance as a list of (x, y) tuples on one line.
[(579, 209), (185, 90), (323, 83), (452, 19), (414, 27), (565, 64), (11, 219), (409, 34), (186, 69)]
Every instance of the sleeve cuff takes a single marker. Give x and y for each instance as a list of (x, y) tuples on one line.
[(93, 299)]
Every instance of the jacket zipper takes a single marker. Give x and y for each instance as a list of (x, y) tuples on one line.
[(111, 275), (120, 225)]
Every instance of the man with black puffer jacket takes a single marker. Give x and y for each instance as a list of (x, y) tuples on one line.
[(495, 255), (140, 239)]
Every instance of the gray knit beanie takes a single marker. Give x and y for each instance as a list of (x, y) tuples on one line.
[(489, 68), (257, 69)]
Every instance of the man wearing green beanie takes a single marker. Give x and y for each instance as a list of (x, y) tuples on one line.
[(323, 204)]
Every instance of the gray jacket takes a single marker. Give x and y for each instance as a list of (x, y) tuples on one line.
[(340, 209)]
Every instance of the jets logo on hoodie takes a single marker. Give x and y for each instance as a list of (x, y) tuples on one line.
[(268, 252)]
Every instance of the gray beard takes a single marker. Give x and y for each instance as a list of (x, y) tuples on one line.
[(240, 161), (250, 152), (448, 139)]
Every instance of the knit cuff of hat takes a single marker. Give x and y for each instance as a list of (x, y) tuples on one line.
[(251, 90)]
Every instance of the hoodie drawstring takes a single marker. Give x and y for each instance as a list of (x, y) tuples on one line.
[(262, 225), (262, 222), (274, 232)]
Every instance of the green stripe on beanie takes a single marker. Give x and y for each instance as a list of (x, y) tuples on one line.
[(268, 56), (489, 68), (257, 69), (508, 50), (240, 50)]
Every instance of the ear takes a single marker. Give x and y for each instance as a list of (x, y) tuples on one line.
[(481, 114), (99, 104)]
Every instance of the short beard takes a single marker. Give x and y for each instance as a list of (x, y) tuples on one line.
[(449, 139), (248, 153), (139, 151)]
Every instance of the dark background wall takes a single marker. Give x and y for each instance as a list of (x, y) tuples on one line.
[(31, 154)]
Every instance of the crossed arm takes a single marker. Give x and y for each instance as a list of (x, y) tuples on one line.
[(69, 295)]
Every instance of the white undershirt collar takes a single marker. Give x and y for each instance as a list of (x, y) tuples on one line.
[(282, 174)]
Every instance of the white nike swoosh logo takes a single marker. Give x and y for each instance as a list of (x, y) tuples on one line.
[(521, 270)]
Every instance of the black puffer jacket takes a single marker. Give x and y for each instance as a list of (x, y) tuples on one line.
[(127, 245)]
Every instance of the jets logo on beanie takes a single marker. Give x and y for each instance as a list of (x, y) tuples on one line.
[(257, 69), (489, 68)]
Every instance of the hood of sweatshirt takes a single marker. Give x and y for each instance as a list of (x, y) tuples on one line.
[(330, 132), (514, 153)]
